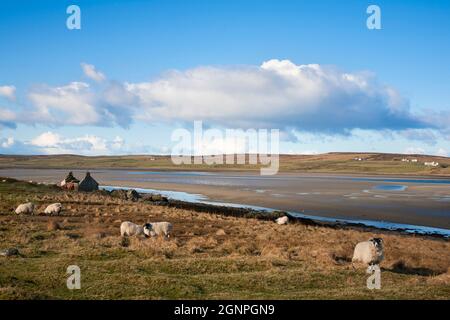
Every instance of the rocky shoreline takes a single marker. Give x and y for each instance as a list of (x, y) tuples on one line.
[(243, 212)]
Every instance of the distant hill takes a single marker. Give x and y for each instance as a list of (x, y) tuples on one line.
[(334, 162)]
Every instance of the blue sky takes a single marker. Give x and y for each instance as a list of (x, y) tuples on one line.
[(310, 68)]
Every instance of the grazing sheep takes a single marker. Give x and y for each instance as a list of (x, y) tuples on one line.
[(282, 220), (25, 208), (128, 228), (54, 208), (369, 252), (160, 228)]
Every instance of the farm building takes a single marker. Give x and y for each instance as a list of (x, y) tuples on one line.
[(70, 182), (88, 184), (431, 164)]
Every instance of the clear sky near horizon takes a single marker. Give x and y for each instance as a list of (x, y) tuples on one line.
[(137, 70)]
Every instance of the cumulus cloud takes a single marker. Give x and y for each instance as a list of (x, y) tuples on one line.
[(8, 92), (53, 143), (91, 72), (76, 104), (277, 94)]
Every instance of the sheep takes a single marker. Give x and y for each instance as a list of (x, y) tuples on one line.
[(282, 220), (54, 208), (128, 228), (25, 208), (160, 228), (369, 252)]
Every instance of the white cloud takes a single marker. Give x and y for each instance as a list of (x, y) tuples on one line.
[(8, 92), (52, 143), (7, 143), (73, 104), (90, 72), (277, 94), (79, 104), (46, 139)]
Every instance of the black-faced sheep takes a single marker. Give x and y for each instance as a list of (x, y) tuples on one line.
[(369, 252), (128, 228), (160, 228)]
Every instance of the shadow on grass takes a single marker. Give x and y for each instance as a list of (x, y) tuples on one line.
[(400, 267)]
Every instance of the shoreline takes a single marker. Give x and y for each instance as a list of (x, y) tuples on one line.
[(232, 170), (326, 198), (201, 204)]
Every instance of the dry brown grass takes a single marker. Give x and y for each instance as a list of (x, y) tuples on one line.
[(208, 256)]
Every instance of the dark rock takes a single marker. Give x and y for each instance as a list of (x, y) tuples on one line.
[(133, 195), (157, 198), (119, 193)]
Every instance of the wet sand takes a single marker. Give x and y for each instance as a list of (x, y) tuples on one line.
[(349, 197)]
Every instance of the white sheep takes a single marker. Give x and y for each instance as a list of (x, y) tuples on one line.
[(54, 208), (25, 208), (282, 220), (160, 228), (128, 228), (369, 252)]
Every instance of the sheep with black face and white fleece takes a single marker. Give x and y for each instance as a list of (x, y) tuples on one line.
[(369, 252), (160, 228), (128, 228), (25, 208), (54, 208)]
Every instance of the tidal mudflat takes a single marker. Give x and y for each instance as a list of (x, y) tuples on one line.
[(417, 201)]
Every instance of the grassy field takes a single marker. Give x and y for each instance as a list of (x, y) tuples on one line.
[(373, 163), (209, 256)]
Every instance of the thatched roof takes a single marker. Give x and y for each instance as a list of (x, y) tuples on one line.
[(88, 183)]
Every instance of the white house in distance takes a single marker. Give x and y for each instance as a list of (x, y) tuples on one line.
[(431, 164), (409, 160)]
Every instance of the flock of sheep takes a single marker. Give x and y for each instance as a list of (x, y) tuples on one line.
[(369, 252), (127, 228)]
